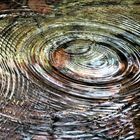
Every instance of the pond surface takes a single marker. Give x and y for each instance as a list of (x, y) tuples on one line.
[(69, 70)]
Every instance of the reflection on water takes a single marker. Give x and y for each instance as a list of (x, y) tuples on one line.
[(69, 70)]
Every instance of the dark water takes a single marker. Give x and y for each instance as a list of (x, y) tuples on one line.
[(69, 70)]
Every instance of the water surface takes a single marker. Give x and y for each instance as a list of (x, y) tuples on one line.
[(69, 70)]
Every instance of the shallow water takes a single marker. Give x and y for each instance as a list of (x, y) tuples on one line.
[(69, 70)]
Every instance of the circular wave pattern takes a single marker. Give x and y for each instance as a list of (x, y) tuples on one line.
[(83, 72)]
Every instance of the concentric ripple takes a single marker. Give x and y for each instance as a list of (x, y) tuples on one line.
[(83, 59), (69, 77)]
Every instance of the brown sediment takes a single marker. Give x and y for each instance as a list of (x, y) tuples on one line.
[(3, 6), (60, 58), (42, 6), (39, 6)]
